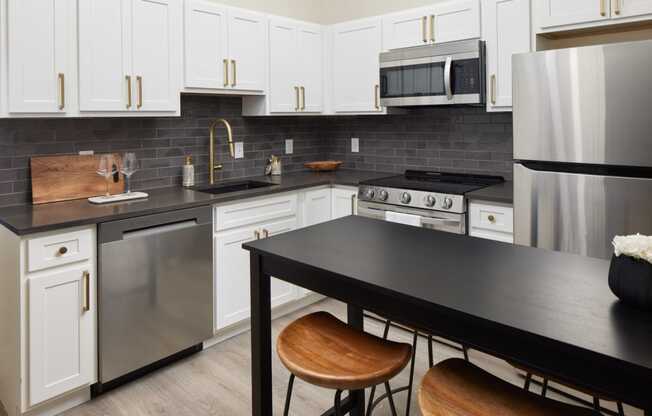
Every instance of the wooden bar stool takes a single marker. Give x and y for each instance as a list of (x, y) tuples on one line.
[(324, 351), (529, 373), (455, 387)]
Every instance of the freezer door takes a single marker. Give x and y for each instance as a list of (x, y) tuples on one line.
[(578, 213), (585, 105)]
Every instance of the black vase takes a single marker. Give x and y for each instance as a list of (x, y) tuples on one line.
[(630, 280)]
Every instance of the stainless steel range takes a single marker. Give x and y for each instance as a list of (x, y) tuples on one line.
[(434, 200)]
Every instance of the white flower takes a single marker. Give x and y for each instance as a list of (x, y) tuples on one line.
[(637, 246)]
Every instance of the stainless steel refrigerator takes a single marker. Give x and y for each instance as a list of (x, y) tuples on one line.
[(583, 146)]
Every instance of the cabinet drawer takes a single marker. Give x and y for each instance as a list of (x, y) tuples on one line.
[(498, 218), (59, 249), (251, 212)]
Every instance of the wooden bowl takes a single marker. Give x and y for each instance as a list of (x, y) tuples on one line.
[(323, 165)]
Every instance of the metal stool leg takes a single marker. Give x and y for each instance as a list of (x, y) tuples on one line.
[(528, 379), (288, 397), (596, 404), (431, 359), (466, 353), (338, 403), (373, 388), (414, 356), (544, 389), (390, 397), (621, 411)]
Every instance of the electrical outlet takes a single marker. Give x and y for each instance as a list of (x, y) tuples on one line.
[(239, 150), (289, 146), (355, 144)]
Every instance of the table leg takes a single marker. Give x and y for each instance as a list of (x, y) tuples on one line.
[(261, 340), (356, 319)]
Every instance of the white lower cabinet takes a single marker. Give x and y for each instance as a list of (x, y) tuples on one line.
[(345, 201), (48, 319), (317, 206), (491, 220)]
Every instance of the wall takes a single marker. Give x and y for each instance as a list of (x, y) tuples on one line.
[(450, 139)]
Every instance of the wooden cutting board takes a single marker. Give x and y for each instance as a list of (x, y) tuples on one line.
[(63, 178)]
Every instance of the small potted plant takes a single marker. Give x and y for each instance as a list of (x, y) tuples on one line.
[(630, 273)]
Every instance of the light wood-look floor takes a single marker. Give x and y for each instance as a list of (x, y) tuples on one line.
[(217, 380)]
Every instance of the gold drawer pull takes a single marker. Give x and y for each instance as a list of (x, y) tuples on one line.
[(303, 98), (377, 96), (62, 91), (257, 234), (62, 250), (424, 29), (225, 62), (617, 7), (128, 78), (265, 233), (493, 89), (139, 81), (603, 11), (432, 28), (234, 75), (491, 219), (296, 93)]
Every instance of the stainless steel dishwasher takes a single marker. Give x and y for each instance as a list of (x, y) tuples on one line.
[(155, 291)]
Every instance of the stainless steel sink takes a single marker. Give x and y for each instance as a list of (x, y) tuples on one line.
[(232, 187)]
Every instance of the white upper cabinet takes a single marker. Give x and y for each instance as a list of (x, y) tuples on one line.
[(310, 68), (225, 48), (551, 13), (41, 40), (205, 30), (355, 49), (506, 30), (129, 55), (441, 22), (296, 66), (247, 50)]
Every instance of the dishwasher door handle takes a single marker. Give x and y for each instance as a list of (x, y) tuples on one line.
[(158, 229)]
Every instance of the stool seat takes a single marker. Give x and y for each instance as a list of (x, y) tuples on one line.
[(457, 388), (326, 352)]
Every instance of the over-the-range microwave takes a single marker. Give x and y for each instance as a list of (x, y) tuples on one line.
[(442, 74)]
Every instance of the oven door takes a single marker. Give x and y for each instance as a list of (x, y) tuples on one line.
[(432, 81), (434, 220)]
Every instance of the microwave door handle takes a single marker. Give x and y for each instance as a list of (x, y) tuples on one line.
[(447, 77)]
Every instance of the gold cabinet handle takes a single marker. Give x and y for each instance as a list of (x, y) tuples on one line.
[(265, 233), (128, 79), (234, 73), (257, 234), (62, 91), (296, 93), (377, 96), (617, 7), (225, 62), (424, 30), (493, 89), (86, 280), (432, 28), (491, 219), (603, 11), (303, 98), (353, 200), (139, 82), (62, 250)]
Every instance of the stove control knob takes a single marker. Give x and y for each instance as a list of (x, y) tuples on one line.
[(430, 201), (406, 198), (369, 193), (383, 195), (448, 203)]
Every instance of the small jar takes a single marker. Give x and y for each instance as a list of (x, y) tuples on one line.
[(188, 173)]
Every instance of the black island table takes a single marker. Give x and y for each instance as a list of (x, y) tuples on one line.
[(549, 311)]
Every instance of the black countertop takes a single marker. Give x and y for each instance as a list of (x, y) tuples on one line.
[(30, 219), (503, 192), (552, 295)]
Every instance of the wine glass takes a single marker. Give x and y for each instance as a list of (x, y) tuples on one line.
[(106, 167), (129, 167)]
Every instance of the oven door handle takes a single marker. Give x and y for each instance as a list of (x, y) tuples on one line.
[(435, 221), (447, 77)]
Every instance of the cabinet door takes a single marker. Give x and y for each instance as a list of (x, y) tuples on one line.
[(41, 43), (506, 32), (104, 61), (455, 20), (60, 332), (344, 202), (281, 292), (205, 44), (550, 13), (630, 8), (283, 59), (232, 301), (247, 50), (405, 29), (317, 207), (155, 56), (310, 61), (356, 46)]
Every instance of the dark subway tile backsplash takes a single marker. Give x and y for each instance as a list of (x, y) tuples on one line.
[(451, 139)]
